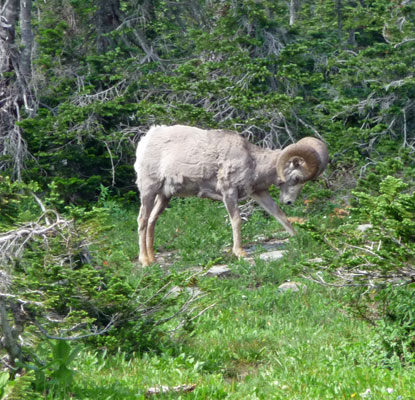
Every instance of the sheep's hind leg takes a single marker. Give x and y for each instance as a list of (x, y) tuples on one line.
[(231, 203), (160, 205), (147, 204)]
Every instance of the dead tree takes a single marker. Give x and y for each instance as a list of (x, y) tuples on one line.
[(15, 81)]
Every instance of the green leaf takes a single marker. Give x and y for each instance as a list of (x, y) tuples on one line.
[(61, 350)]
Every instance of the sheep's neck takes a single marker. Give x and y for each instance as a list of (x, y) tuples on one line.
[(266, 167)]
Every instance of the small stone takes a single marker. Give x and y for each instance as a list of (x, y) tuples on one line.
[(364, 227), (220, 271), (272, 255), (292, 287), (260, 238), (316, 260), (165, 389)]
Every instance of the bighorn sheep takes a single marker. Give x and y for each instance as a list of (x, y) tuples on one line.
[(219, 165)]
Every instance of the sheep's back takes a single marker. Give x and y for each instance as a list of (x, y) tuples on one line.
[(186, 158)]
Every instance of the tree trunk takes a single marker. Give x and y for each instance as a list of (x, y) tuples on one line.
[(9, 341), (7, 34), (14, 87), (25, 63), (352, 37), (293, 11), (339, 19), (108, 19)]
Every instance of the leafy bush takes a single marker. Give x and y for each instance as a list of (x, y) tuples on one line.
[(66, 277), (390, 310), (396, 328), (14, 201), (386, 249), (378, 261), (392, 215)]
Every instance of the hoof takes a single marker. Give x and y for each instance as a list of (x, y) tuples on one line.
[(144, 262), (240, 253)]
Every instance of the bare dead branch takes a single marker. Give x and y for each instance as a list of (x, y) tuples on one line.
[(183, 309), (364, 250), (183, 322), (12, 243), (166, 389), (95, 331), (406, 40), (364, 275), (103, 96), (19, 300), (112, 163)]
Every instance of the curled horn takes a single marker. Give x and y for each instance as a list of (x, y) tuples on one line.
[(308, 153)]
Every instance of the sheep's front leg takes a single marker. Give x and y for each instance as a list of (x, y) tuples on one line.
[(160, 205), (265, 200), (231, 203), (147, 204)]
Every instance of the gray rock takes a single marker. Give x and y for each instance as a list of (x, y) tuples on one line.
[(292, 287), (220, 271), (316, 260), (272, 255), (260, 238)]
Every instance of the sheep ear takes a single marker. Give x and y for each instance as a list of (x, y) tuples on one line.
[(296, 162)]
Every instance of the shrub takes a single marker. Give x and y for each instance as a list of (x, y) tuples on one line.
[(65, 278), (383, 252), (378, 263)]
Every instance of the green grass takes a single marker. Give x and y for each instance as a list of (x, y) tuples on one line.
[(256, 343)]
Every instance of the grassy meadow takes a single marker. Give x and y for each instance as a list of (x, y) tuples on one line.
[(254, 342)]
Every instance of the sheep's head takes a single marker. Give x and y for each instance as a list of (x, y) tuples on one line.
[(299, 163)]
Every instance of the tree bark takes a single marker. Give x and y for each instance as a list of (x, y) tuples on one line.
[(9, 341), (294, 4), (339, 19), (352, 37), (7, 34), (108, 19), (15, 56), (25, 63)]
